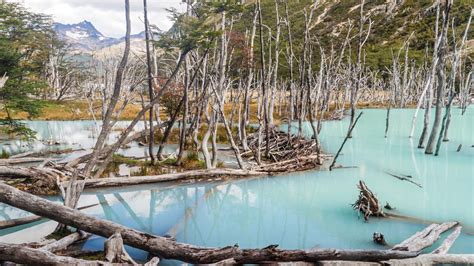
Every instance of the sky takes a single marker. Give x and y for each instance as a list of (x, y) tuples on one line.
[(108, 16)]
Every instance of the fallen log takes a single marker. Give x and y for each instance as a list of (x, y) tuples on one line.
[(31, 219), (153, 262), (135, 180), (435, 259), (40, 180), (425, 238), (169, 249), (31, 256), (115, 252), (77, 252), (65, 242), (5, 162), (448, 242), (43, 153)]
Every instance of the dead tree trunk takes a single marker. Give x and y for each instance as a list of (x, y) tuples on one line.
[(150, 82), (349, 133), (26, 255), (106, 124), (440, 72), (170, 249), (250, 80), (359, 66), (264, 91)]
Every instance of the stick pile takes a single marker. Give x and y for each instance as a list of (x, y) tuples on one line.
[(286, 154), (367, 203)]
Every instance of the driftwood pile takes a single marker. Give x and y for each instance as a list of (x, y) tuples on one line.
[(292, 165), (44, 179), (281, 146), (287, 153), (367, 203)]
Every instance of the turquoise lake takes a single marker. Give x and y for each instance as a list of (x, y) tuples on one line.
[(308, 209)]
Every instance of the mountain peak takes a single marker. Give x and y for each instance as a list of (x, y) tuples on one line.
[(84, 36)]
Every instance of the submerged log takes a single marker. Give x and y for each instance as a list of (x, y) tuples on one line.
[(135, 180), (379, 238), (19, 221), (170, 249), (405, 178)]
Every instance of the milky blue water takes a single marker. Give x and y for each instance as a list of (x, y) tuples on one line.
[(312, 209)]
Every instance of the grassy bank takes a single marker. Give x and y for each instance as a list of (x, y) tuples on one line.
[(79, 110)]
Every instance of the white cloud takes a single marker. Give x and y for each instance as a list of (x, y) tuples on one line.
[(108, 16)]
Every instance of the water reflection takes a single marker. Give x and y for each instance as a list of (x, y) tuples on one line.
[(311, 209)]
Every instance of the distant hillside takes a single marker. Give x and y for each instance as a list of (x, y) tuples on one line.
[(393, 22), (85, 38)]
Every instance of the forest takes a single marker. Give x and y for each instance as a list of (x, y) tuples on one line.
[(252, 131)]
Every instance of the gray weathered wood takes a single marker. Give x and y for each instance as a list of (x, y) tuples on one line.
[(115, 251), (435, 259), (425, 238), (449, 241), (64, 242), (170, 249), (4, 162), (113, 181), (26, 255)]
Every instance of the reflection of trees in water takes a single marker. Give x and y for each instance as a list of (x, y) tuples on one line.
[(3, 213), (216, 198), (107, 209), (130, 211)]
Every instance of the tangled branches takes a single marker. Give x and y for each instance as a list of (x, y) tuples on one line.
[(367, 203)]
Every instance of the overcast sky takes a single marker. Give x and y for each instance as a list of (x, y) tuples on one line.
[(108, 16)]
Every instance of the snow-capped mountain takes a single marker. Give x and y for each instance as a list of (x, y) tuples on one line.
[(84, 37)]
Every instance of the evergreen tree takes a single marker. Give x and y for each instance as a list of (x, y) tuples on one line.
[(26, 39)]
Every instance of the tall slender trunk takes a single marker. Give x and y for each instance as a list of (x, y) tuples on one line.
[(150, 83), (441, 75), (128, 130), (428, 88), (276, 64), (184, 121), (359, 67), (106, 124), (290, 57), (264, 91)]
